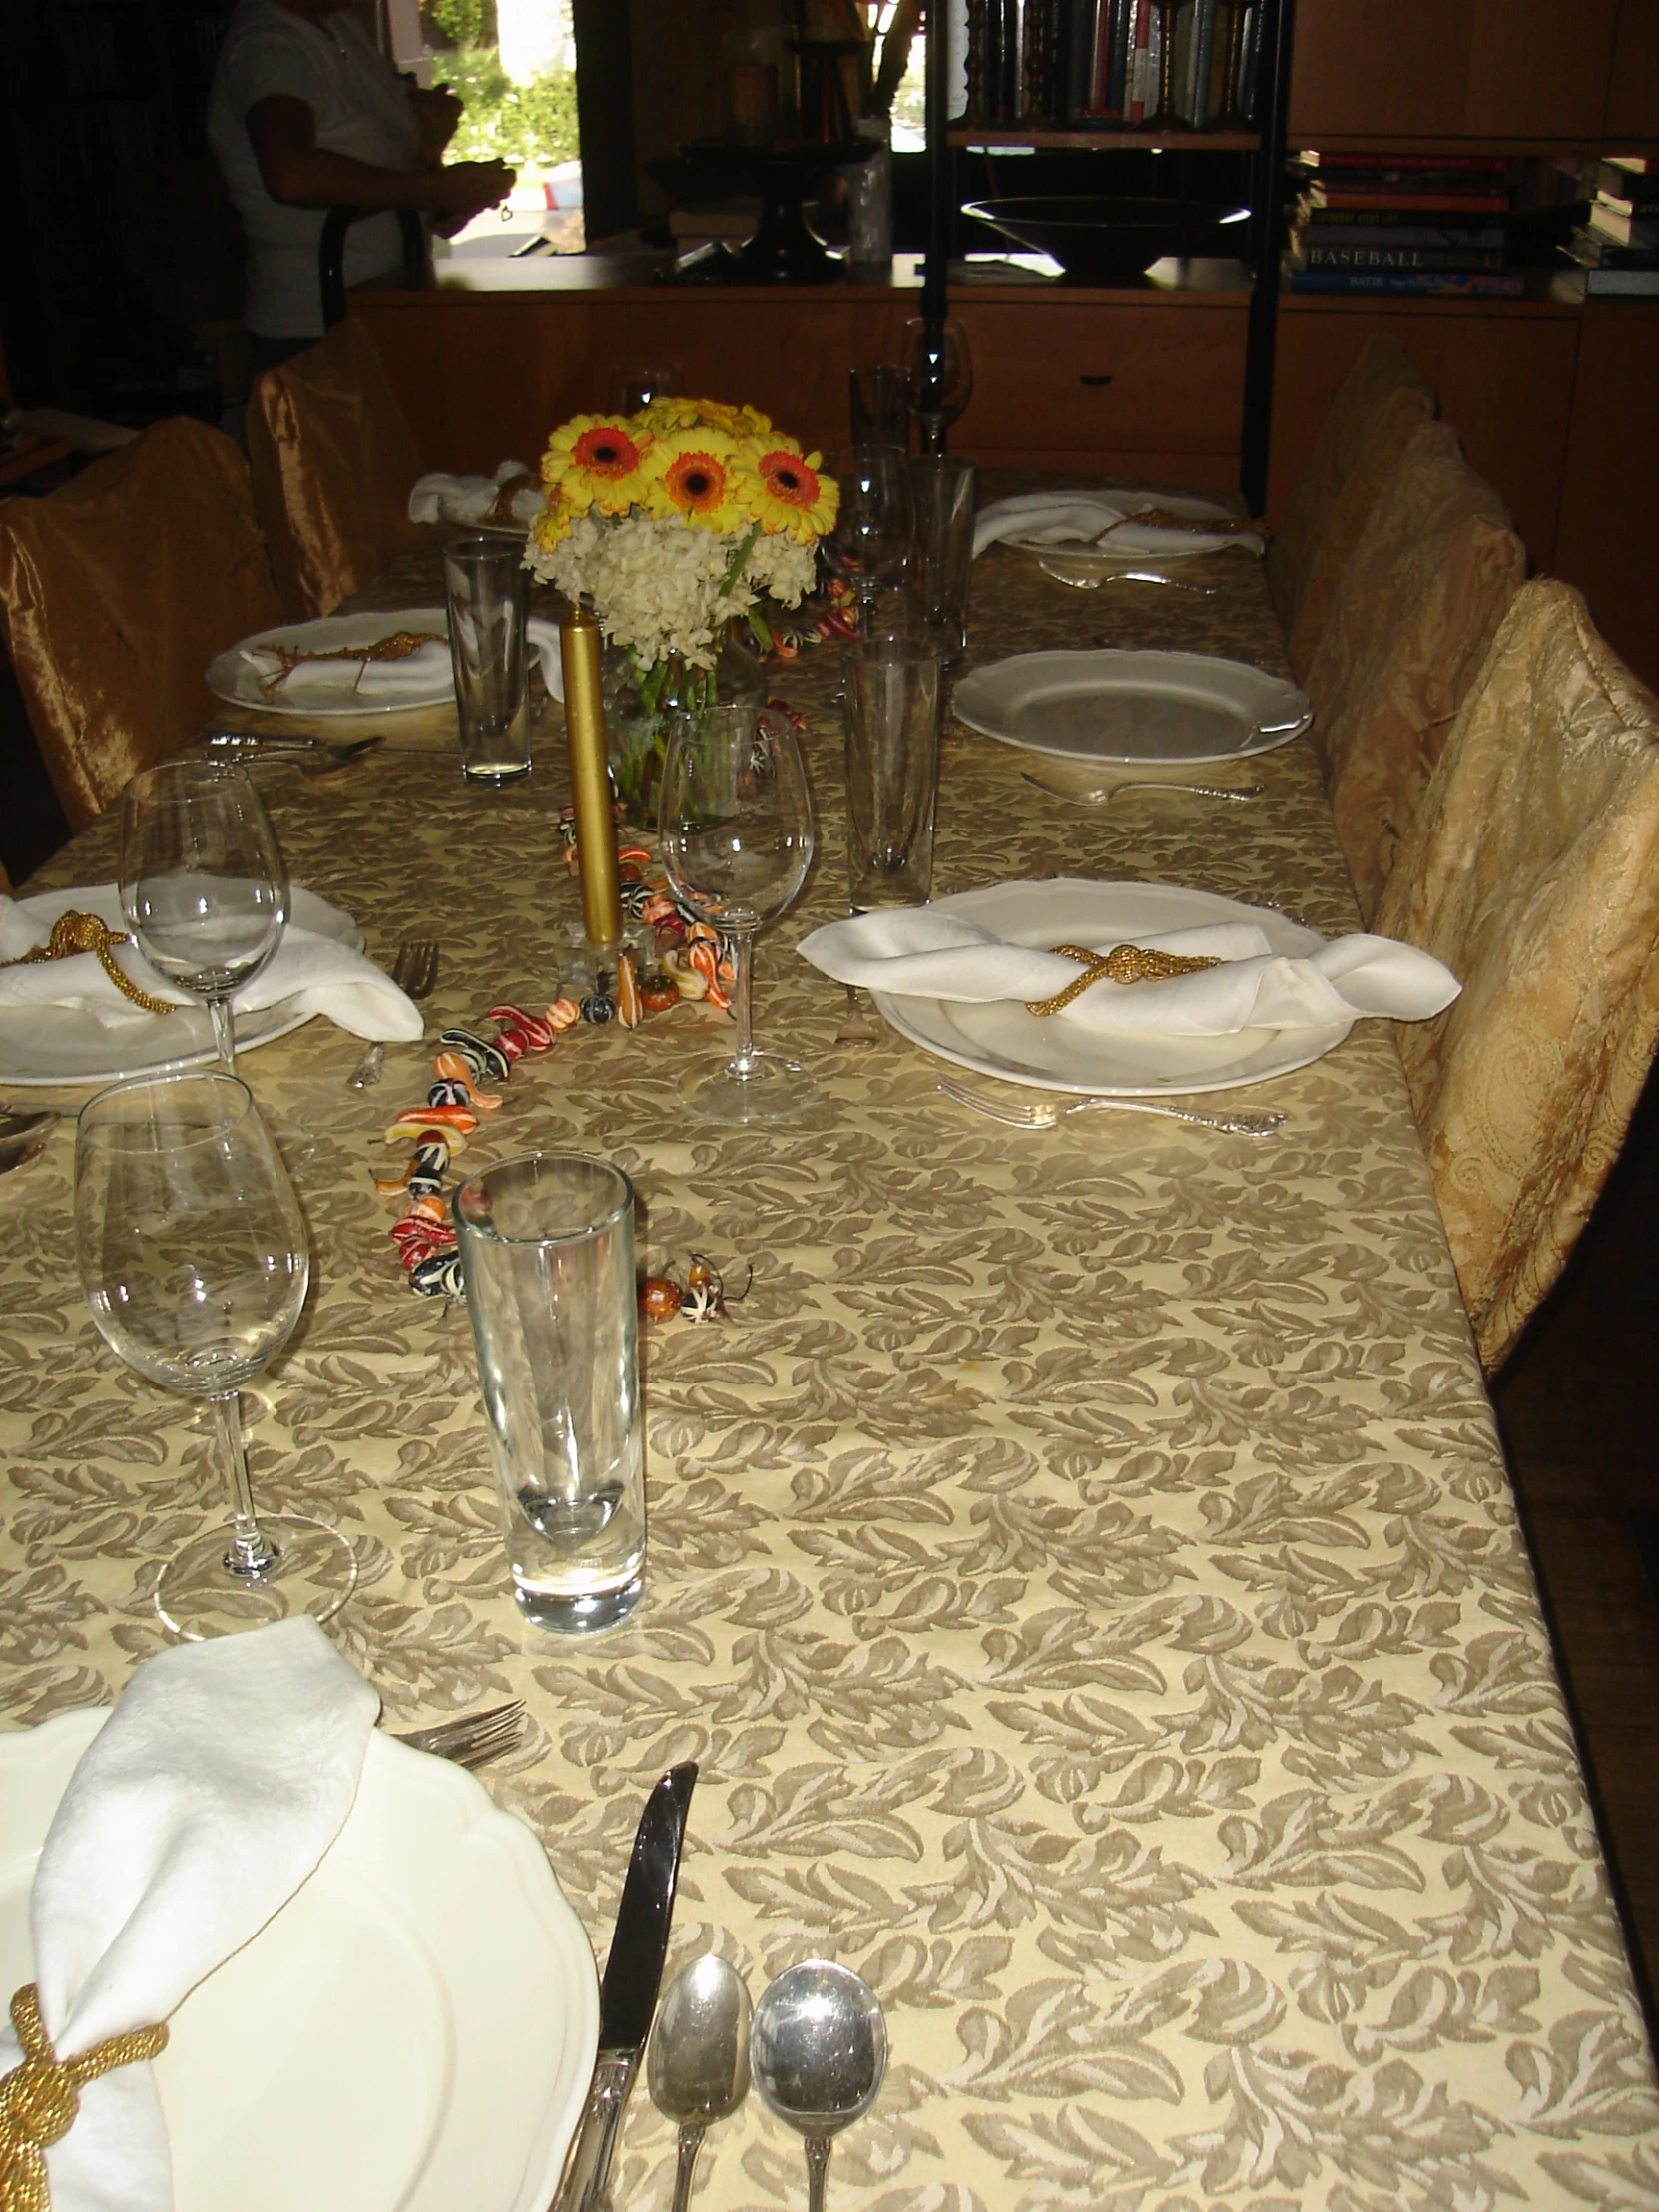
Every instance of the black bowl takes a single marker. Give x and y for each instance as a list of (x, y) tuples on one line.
[(1093, 237)]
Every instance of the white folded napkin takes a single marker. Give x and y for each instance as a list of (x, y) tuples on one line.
[(441, 499), (311, 966), (924, 953), (415, 679), (198, 1809), (1072, 518)]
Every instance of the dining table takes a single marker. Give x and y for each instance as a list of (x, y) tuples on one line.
[(1081, 1559)]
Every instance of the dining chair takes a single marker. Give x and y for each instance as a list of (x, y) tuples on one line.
[(332, 460), (117, 590), (1533, 871), (1377, 407), (1411, 624)]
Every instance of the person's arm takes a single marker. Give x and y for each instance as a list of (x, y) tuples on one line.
[(301, 174), (438, 113)]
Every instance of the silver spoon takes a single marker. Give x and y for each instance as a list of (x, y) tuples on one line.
[(1099, 794), (698, 2068), (819, 2049)]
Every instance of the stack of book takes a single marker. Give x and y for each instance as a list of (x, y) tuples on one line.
[(1619, 246), (1074, 64), (1417, 224)]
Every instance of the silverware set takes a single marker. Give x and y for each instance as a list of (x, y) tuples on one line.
[(471, 1739), (1047, 1113), (316, 756)]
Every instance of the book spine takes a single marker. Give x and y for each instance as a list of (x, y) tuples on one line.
[(1492, 165), (1206, 43), (1422, 284), (1007, 99), (1249, 50), (1081, 32), (1404, 219), (1446, 238), (1032, 63), (1057, 53), (977, 11), (1632, 282), (1123, 40), (1135, 106), (1453, 202), (1402, 257)]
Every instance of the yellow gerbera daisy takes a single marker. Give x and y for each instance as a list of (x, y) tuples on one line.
[(668, 415), (793, 496), (695, 474), (552, 525), (596, 461)]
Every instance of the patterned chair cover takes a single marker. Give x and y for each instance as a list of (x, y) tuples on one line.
[(1412, 618), (332, 459), (1381, 403), (1532, 870), (117, 591)]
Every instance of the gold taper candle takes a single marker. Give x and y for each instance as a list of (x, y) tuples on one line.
[(590, 782)]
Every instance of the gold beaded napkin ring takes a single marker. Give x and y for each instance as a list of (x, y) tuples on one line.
[(74, 934), (1125, 963), (40, 2098)]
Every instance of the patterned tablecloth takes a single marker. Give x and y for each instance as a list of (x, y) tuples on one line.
[(1083, 1566)]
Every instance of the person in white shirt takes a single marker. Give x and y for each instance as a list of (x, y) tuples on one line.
[(305, 114)]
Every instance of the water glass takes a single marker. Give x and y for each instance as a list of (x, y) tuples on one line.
[(942, 493), (547, 1250), (891, 690), (488, 591), (879, 405)]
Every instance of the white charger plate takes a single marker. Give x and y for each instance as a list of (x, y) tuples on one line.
[(232, 676), (413, 2032), (1051, 1054), (1132, 709), (1173, 548), (48, 1047)]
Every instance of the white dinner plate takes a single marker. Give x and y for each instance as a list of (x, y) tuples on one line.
[(413, 2032), (50, 1047), (232, 676), (1132, 709), (1051, 1054), (1097, 549)]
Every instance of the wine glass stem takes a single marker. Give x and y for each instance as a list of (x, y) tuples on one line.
[(251, 1552), (742, 1062), (932, 433), (219, 1011)]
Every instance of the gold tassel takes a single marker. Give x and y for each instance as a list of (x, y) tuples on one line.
[(1125, 963), (40, 2098), (73, 934)]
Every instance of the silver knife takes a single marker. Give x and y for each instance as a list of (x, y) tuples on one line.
[(628, 1993)]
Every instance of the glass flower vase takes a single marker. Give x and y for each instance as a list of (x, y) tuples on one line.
[(642, 699)]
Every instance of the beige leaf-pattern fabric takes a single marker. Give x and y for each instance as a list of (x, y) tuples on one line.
[(1533, 872), (1378, 406), (1413, 615), (1082, 1566)]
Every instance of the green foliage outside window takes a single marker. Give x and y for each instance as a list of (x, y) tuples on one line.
[(533, 124)]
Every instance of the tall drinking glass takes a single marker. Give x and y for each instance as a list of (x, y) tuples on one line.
[(202, 883), (890, 696), (736, 825), (547, 1250), (489, 592), (194, 1257), (878, 405), (942, 490), (871, 543)]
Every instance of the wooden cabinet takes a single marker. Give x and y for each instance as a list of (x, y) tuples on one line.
[(1503, 374), (1604, 543), (1482, 68)]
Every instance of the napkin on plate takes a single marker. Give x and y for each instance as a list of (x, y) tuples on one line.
[(311, 966), (441, 499), (330, 683), (924, 953), (201, 1806), (1073, 518)]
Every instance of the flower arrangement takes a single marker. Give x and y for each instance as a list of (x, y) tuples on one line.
[(673, 521)]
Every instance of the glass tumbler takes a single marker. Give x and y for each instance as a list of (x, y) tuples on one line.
[(942, 493), (547, 1250), (488, 591), (891, 689)]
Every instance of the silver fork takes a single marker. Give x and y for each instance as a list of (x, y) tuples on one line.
[(1046, 1113), (471, 1739), (415, 972), (1099, 793)]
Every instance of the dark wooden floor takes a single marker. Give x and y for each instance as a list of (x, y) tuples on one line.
[(1579, 1403)]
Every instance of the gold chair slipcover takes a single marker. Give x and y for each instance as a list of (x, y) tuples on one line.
[(333, 460), (1533, 872), (117, 590), (1409, 627), (1381, 403)]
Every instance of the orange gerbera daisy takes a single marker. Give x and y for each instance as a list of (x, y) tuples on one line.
[(795, 497), (694, 476), (596, 461)]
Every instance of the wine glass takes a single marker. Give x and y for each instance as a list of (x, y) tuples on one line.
[(941, 377), (871, 543), (194, 1257), (634, 385), (735, 825), (204, 885)]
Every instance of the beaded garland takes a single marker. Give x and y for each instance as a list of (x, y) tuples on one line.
[(692, 963)]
